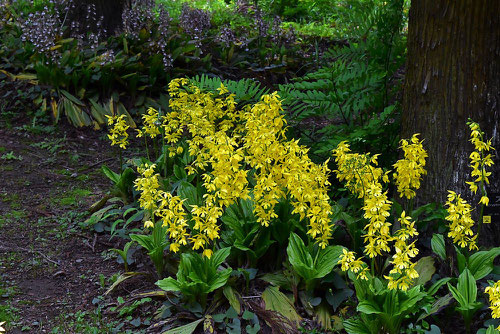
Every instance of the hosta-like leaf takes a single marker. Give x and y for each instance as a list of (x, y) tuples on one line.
[(425, 268), (186, 329), (327, 259), (480, 263), (356, 326), (232, 297), (435, 287), (467, 286), (188, 191), (169, 284), (219, 256), (276, 301), (220, 280), (368, 307), (438, 246), (299, 256)]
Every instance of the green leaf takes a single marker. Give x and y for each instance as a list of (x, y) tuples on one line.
[(327, 259), (98, 112), (491, 330), (253, 329), (247, 315), (232, 297), (368, 307), (276, 301), (72, 98), (169, 284), (186, 329), (219, 256), (220, 280), (438, 246), (461, 260), (121, 110), (456, 294), (188, 191), (126, 180), (408, 300), (480, 263), (299, 257), (277, 279), (466, 293), (338, 297), (179, 173), (467, 286), (122, 278), (355, 326), (146, 241), (425, 269), (110, 174), (436, 306), (435, 287), (323, 316)]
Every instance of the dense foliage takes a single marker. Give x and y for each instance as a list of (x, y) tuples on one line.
[(242, 132)]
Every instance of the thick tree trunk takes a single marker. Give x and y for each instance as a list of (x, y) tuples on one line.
[(453, 73)]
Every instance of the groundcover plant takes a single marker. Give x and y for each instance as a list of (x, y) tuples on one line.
[(248, 167)]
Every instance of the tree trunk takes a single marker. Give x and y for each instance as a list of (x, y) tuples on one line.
[(453, 73)]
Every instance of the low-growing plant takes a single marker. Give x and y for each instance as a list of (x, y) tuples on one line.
[(154, 243), (223, 173), (465, 293), (311, 263), (365, 180), (197, 276)]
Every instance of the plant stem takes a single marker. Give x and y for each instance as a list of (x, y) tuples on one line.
[(147, 147), (121, 162), (164, 150), (480, 222), (155, 145)]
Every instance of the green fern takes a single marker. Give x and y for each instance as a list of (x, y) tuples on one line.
[(246, 90), (349, 97), (339, 92)]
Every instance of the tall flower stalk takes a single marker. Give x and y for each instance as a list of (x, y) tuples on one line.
[(480, 158), (118, 134), (365, 180)]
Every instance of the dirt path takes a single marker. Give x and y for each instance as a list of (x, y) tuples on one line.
[(51, 272)]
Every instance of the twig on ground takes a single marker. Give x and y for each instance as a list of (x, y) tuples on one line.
[(15, 249)]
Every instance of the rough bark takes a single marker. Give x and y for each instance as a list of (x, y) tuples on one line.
[(453, 73)]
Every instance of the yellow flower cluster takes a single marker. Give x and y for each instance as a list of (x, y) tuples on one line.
[(494, 298), (147, 184), (479, 160), (118, 133), (173, 215), (403, 273), (210, 121), (410, 169), (364, 180), (356, 170), (348, 261), (283, 168), (151, 122), (461, 223), (169, 209), (225, 141)]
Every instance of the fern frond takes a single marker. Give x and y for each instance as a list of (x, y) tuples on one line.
[(245, 90)]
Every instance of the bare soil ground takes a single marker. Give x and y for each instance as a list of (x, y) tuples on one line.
[(50, 270)]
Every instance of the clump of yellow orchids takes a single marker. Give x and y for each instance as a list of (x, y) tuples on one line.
[(227, 143)]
